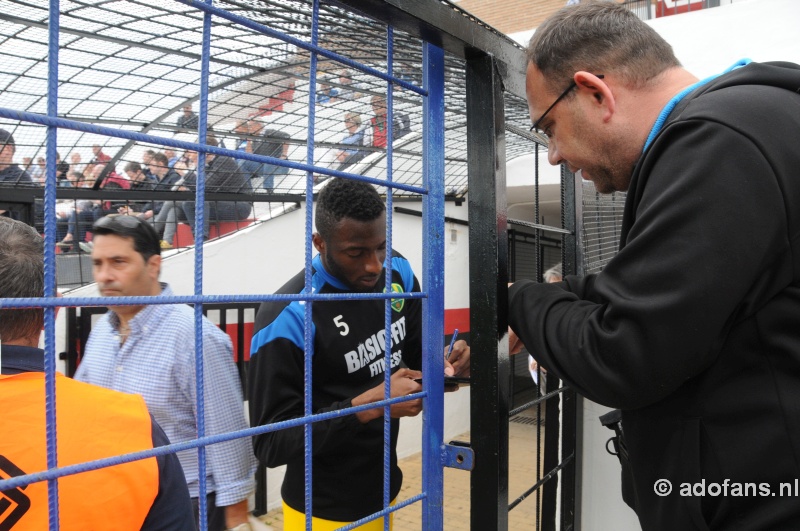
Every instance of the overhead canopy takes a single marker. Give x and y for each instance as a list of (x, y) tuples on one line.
[(135, 65)]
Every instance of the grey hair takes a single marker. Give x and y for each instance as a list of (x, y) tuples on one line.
[(553, 274), (600, 38)]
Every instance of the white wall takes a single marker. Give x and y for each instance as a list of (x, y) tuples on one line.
[(708, 41)]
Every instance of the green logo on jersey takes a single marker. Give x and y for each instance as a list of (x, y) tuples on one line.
[(397, 304)]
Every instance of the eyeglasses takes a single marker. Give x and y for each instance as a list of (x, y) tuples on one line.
[(113, 221), (122, 224), (128, 226), (567, 90)]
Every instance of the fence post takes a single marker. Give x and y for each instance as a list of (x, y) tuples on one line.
[(488, 264), (433, 284)]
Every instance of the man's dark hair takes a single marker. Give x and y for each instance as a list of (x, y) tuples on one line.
[(211, 139), (159, 159), (145, 238), (133, 166), (345, 198), (599, 38), (22, 274), (7, 139)]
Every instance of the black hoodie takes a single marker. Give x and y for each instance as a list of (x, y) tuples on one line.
[(693, 328)]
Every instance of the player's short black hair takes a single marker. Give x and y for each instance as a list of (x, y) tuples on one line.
[(346, 198)]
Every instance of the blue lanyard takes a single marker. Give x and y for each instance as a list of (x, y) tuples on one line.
[(665, 112)]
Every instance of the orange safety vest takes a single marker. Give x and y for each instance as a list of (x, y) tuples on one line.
[(92, 423)]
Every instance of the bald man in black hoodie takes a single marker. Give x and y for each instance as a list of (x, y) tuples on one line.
[(693, 328)]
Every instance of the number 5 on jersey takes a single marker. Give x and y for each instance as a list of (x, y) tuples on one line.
[(341, 324)]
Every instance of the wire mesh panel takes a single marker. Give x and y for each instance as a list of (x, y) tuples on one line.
[(267, 88), (286, 92)]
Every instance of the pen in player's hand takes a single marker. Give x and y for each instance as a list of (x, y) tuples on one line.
[(452, 342)]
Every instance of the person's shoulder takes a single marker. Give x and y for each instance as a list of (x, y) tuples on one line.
[(179, 315), (224, 165), (173, 321), (268, 311), (103, 397), (145, 184), (296, 284), (402, 267), (103, 324), (398, 258), (25, 176), (13, 173)]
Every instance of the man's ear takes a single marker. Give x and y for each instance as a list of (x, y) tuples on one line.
[(319, 243), (597, 88), (154, 266)]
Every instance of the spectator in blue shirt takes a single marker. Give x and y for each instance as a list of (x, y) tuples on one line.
[(150, 350)]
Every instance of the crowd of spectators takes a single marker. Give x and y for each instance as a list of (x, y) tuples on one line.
[(157, 171), (153, 173), (364, 131)]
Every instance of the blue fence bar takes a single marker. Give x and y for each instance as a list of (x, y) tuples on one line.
[(387, 374), (432, 192), (50, 261), (433, 280), (199, 237), (308, 337), (46, 475)]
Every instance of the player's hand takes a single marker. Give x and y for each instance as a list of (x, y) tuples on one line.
[(459, 362), (402, 384)]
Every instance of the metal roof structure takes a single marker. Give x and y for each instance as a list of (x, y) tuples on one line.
[(135, 65)]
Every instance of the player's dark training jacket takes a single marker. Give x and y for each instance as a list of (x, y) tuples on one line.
[(348, 360)]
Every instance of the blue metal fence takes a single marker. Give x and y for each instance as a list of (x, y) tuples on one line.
[(435, 453)]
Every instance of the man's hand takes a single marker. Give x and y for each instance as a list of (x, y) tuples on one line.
[(402, 384), (515, 345), (236, 514), (458, 364), (514, 342)]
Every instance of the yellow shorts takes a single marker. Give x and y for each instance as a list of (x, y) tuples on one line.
[(296, 521)]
